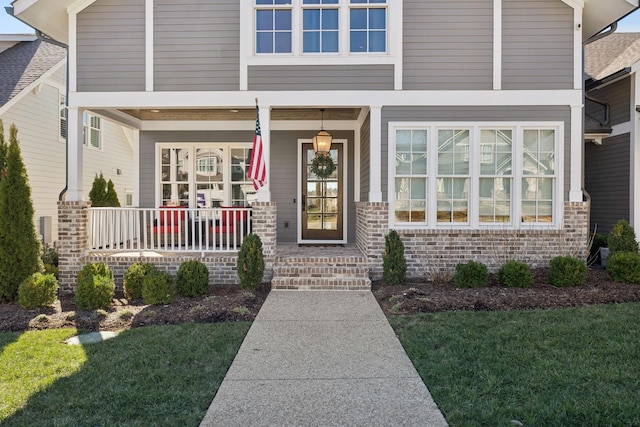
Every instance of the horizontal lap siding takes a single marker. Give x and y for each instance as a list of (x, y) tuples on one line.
[(618, 96), (607, 181), (111, 46), (448, 44), (537, 44), (196, 45), (474, 115), (321, 77)]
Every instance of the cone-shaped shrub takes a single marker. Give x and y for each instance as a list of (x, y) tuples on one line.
[(3, 150), (19, 245), (622, 238), (98, 193), (394, 263), (111, 198), (250, 262), (192, 279)]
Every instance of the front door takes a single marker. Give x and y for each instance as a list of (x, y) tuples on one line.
[(322, 201)]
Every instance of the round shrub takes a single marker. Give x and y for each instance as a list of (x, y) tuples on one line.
[(95, 288), (250, 262), (51, 269), (38, 290), (515, 274), (158, 288), (624, 267), (471, 275), (192, 279), (565, 271), (133, 278), (394, 263), (622, 238)]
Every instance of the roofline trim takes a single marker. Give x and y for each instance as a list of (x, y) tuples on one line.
[(591, 84), (4, 108)]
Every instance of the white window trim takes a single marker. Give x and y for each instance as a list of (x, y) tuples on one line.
[(516, 198), (87, 131), (343, 57), (192, 146), (62, 99)]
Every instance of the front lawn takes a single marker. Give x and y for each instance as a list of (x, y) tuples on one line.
[(153, 376), (569, 367)]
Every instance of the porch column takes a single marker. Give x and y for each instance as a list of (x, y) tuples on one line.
[(264, 194), (577, 154), (375, 154), (75, 189)]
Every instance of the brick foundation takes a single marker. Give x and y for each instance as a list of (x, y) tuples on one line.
[(428, 250)]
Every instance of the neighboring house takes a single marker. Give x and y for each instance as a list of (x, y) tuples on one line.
[(612, 130), (32, 94), (457, 123)]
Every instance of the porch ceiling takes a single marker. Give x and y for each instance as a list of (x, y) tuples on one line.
[(241, 114)]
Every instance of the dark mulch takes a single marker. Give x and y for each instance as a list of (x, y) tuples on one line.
[(429, 297)]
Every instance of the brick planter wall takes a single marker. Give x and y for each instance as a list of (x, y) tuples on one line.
[(427, 250), (73, 221), (264, 222)]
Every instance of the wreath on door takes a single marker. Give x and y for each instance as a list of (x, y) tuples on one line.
[(323, 166)]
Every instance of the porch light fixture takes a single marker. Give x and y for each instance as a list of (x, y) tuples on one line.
[(322, 141)]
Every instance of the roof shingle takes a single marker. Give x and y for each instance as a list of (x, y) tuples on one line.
[(610, 54)]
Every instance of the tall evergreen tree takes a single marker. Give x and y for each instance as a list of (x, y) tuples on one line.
[(112, 197), (98, 192), (19, 245), (3, 150)]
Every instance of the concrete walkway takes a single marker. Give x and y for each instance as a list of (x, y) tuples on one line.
[(322, 358)]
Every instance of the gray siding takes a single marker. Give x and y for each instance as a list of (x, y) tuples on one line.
[(448, 44), (196, 45), (476, 114), (618, 96), (537, 42), (365, 149), (111, 46), (284, 185), (324, 77), (607, 181)]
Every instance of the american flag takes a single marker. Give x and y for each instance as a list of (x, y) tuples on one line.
[(257, 167)]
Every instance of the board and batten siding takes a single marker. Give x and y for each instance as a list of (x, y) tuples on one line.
[(111, 46), (607, 169), (618, 96), (196, 45), (365, 150), (321, 77), (537, 45), (516, 114), (448, 45)]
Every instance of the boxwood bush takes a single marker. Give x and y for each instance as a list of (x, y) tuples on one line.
[(192, 279), (622, 238), (471, 275), (250, 263), (133, 278), (515, 274), (95, 287), (394, 264), (38, 290), (158, 288), (566, 271), (624, 267)]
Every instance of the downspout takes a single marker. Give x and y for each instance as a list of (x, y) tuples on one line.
[(607, 109), (43, 37)]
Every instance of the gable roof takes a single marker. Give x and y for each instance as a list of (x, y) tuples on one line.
[(611, 54), (23, 64)]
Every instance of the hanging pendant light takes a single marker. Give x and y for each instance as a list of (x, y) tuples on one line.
[(322, 141)]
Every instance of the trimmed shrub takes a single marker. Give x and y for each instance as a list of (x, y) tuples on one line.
[(394, 263), (515, 274), (250, 262), (471, 275), (622, 238), (51, 269), (158, 288), (38, 290), (624, 267), (95, 288), (566, 271), (133, 278), (192, 279)]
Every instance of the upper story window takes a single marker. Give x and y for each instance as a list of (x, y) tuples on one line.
[(321, 26), (92, 130), (62, 109)]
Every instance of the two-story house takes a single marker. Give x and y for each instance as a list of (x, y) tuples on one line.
[(457, 123)]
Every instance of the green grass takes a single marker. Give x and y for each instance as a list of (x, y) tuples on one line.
[(570, 367), (152, 376)]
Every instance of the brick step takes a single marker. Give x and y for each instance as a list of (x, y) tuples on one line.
[(321, 283), (320, 271), (321, 261)]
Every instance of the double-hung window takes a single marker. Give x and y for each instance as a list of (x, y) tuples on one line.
[(473, 175), (368, 26), (320, 26), (92, 129), (273, 26)]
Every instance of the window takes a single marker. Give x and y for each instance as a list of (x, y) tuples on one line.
[(368, 26), (205, 175), (62, 108), (273, 26), (320, 26), (92, 130), (474, 175)]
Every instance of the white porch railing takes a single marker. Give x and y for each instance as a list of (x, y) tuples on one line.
[(168, 229)]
